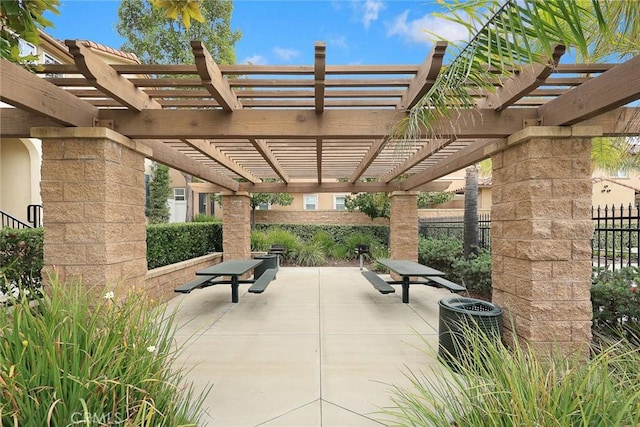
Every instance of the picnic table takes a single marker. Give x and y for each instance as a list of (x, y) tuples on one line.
[(408, 269), (233, 269)]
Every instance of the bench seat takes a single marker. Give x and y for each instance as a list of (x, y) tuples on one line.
[(378, 282), (263, 281), (197, 283), (441, 282)]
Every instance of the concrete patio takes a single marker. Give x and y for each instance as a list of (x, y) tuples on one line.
[(321, 347)]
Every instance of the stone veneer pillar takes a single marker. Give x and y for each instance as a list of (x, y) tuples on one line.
[(541, 234), (93, 196), (236, 226), (403, 231)]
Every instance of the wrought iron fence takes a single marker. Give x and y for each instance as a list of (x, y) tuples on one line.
[(615, 242), (615, 237), (453, 227)]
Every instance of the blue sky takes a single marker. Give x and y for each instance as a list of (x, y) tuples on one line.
[(284, 32)]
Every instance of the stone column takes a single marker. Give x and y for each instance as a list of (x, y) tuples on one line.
[(403, 231), (93, 197), (236, 226), (541, 230)]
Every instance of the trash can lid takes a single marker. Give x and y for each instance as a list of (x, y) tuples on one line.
[(474, 306), (264, 256)]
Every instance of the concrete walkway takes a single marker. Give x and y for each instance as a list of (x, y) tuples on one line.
[(320, 347)]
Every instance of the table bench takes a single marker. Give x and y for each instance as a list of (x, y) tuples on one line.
[(441, 282), (378, 282), (197, 283), (263, 281), (234, 269)]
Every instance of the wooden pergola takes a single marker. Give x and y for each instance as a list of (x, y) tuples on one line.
[(234, 125), (323, 128)]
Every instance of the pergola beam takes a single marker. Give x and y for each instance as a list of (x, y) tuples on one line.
[(21, 89), (521, 84), (100, 75), (212, 79), (268, 156), (319, 75), (205, 147), (425, 78), (614, 88)]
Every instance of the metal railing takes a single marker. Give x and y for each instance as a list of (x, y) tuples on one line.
[(615, 237), (453, 227), (34, 215), (9, 221)]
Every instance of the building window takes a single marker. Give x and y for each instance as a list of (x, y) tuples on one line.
[(26, 48), (622, 173), (338, 202), (263, 206), (179, 194), (310, 202)]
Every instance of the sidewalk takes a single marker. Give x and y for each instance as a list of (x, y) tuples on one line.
[(320, 347)]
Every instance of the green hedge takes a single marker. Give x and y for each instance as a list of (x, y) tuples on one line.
[(21, 260), (171, 243), (338, 233)]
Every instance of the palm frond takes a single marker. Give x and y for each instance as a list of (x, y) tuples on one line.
[(512, 35)]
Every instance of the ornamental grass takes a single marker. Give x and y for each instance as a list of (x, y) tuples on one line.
[(499, 386), (69, 358)]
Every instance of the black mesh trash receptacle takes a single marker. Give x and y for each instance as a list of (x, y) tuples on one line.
[(458, 312), (268, 261)]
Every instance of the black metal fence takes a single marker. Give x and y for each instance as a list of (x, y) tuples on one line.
[(615, 242), (615, 237), (453, 227)]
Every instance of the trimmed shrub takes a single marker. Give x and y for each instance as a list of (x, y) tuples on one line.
[(616, 302), (440, 254), (171, 243), (21, 261), (475, 273)]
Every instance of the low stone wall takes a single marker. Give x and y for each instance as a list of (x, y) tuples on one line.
[(161, 281), (317, 217)]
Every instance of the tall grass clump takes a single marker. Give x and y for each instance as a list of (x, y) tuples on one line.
[(310, 255), (289, 240), (500, 386), (71, 358)]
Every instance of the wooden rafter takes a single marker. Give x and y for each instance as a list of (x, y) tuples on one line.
[(523, 83), (319, 75), (268, 156), (166, 155), (371, 155), (618, 86), (23, 90), (205, 147), (319, 160), (330, 187), (427, 149), (100, 75), (212, 79), (426, 77), (469, 155)]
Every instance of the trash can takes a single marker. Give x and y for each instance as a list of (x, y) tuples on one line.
[(362, 250), (268, 261), (278, 250), (457, 313)]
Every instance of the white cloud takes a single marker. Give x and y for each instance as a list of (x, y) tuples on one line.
[(370, 11), (414, 30), (255, 60), (285, 54), (338, 42)]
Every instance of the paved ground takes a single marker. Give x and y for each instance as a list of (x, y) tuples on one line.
[(321, 347)]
